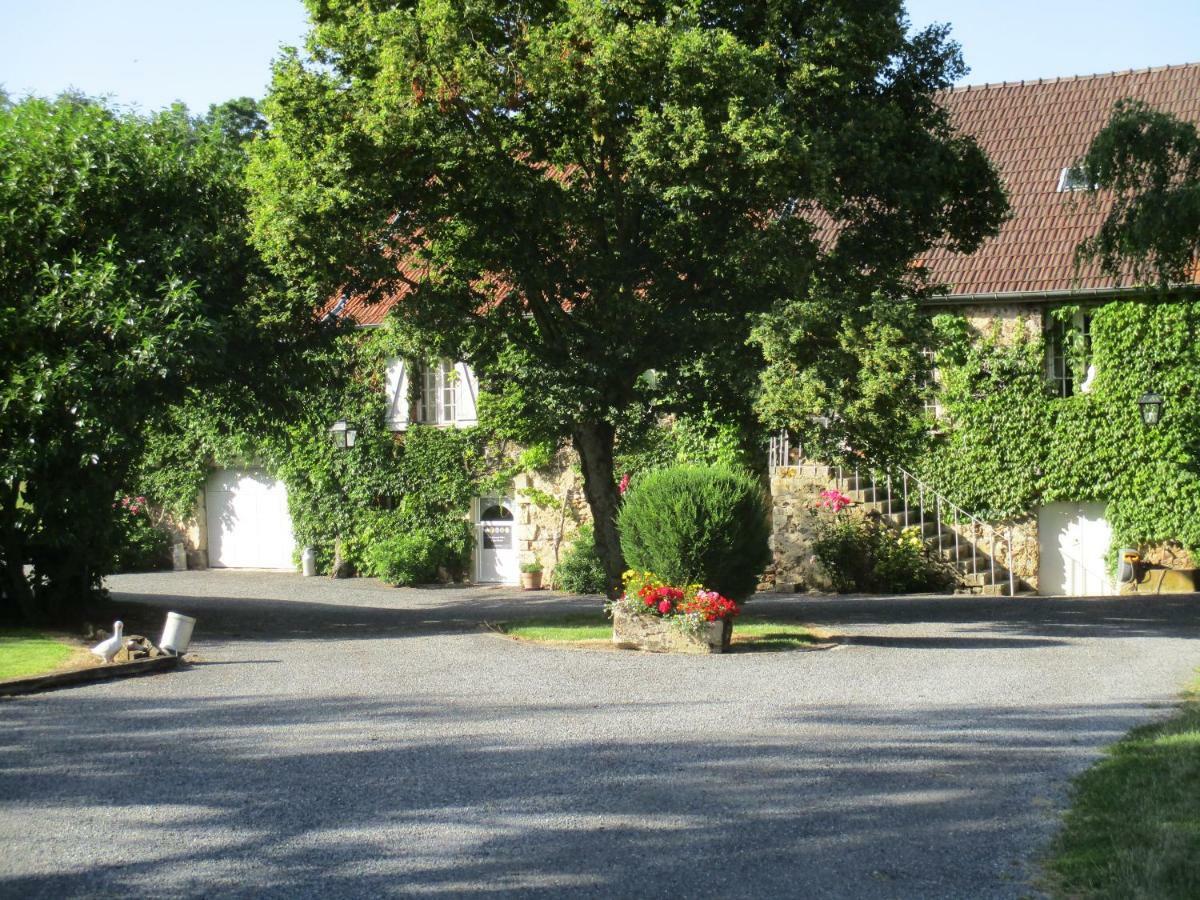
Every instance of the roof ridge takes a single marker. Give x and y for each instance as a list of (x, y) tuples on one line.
[(1029, 82)]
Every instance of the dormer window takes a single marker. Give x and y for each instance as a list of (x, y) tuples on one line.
[(1072, 179)]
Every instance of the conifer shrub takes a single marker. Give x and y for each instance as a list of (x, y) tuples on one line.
[(706, 525), (580, 571)]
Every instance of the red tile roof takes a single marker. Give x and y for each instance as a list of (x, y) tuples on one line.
[(1031, 131)]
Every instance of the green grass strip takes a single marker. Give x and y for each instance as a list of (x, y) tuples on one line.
[(1133, 829), (24, 653), (755, 633)]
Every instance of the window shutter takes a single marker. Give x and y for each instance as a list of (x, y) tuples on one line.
[(397, 392), (467, 390)]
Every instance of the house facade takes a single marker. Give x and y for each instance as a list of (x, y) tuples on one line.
[(1025, 285)]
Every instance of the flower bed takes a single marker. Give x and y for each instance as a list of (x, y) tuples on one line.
[(659, 617)]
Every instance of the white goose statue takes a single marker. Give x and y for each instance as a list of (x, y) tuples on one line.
[(107, 649)]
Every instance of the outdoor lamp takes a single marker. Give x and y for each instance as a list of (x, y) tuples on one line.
[(343, 434), (1151, 405)]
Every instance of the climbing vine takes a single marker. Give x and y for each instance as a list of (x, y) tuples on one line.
[(1007, 444)]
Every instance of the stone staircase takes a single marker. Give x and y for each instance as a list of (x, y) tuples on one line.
[(971, 552)]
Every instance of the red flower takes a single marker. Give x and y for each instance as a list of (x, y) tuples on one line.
[(624, 485), (664, 606)]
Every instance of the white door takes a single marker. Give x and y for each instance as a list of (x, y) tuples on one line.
[(496, 542), (1073, 540), (248, 522)]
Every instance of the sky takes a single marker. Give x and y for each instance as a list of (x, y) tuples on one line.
[(150, 53)]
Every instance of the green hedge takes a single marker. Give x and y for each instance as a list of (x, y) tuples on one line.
[(704, 525)]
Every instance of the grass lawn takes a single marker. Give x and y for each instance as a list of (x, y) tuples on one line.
[(749, 632), (24, 652), (1133, 829)]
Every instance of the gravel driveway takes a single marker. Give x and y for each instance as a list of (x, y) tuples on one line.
[(348, 739)]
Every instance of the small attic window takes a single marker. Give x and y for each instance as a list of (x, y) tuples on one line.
[(1072, 179)]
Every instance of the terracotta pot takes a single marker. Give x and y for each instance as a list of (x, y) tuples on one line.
[(531, 581)]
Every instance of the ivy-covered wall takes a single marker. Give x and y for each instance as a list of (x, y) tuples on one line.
[(390, 484), (1007, 445)]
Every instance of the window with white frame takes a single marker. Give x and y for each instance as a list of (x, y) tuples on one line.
[(1068, 352), (929, 384), (438, 390)]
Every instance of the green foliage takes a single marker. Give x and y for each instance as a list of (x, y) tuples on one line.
[(1010, 445), (1149, 163), (412, 557), (703, 525), (579, 570), (995, 420), (864, 555), (603, 190), (1133, 828), (845, 369), (126, 279), (385, 485), (24, 653), (140, 545)]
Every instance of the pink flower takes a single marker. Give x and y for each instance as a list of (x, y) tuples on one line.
[(664, 606), (624, 485), (833, 500)]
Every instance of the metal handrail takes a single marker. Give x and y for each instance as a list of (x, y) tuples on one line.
[(779, 456)]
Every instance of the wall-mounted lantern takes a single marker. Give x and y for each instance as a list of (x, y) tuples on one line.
[(1151, 405), (343, 433)]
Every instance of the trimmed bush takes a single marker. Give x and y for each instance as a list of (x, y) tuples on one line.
[(704, 525), (863, 554), (409, 558), (579, 570)]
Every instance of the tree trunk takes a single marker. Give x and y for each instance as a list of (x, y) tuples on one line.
[(18, 603), (594, 443)]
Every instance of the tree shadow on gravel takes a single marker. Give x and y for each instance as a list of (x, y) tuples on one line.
[(1044, 617), (286, 797)]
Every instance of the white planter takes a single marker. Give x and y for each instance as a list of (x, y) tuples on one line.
[(177, 633)]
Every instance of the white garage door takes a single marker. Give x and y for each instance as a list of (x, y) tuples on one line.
[(1073, 539), (248, 522)]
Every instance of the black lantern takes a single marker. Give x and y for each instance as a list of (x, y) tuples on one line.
[(343, 434), (1151, 405)]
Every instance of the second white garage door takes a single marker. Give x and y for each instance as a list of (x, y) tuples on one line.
[(1073, 539), (248, 522)]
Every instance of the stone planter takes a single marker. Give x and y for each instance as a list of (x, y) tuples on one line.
[(531, 581), (657, 635)]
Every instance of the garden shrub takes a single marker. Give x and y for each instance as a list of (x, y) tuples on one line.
[(140, 546), (865, 555), (579, 571), (409, 558), (704, 525)]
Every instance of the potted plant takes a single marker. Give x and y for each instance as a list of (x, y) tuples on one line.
[(531, 576), (652, 615)]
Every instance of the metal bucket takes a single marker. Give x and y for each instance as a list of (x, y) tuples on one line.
[(177, 633)]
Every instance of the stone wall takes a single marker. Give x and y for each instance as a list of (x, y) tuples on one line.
[(1026, 550), (794, 525), (1008, 320), (550, 508), (1168, 555)]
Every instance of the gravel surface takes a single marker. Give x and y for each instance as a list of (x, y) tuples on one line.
[(348, 739)]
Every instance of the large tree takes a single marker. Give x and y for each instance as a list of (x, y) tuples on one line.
[(572, 194), (126, 279), (1148, 161)]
